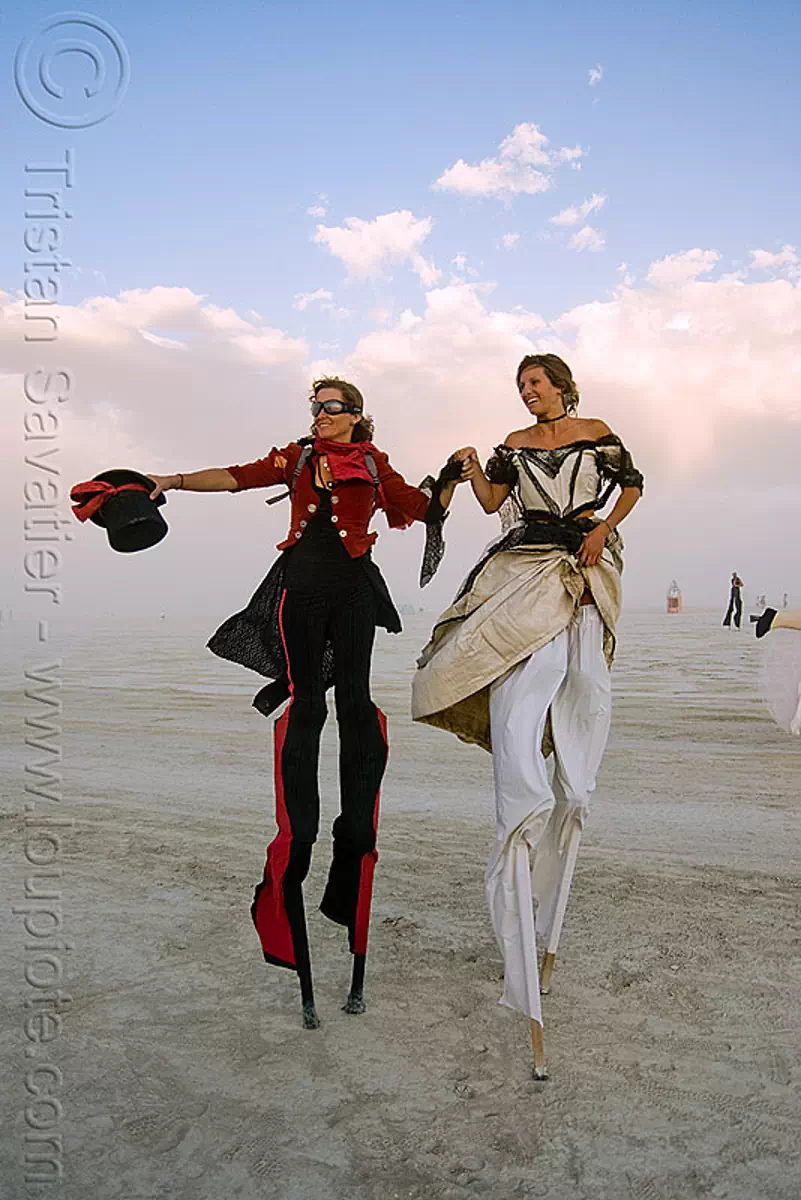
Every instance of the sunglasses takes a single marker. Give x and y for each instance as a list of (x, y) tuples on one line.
[(332, 407)]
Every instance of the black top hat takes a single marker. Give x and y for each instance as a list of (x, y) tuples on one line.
[(130, 518)]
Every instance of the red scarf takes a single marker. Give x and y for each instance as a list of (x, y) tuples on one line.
[(94, 493), (346, 459)]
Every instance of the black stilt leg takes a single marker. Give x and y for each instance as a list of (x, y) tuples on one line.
[(355, 1001), (296, 872)]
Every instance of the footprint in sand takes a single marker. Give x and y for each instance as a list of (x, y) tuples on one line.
[(161, 1131)]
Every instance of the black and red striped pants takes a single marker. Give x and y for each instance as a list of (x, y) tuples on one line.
[(346, 618)]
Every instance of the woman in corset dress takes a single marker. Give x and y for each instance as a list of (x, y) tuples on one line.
[(519, 663)]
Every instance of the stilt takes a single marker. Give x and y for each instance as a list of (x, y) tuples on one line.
[(549, 958), (538, 1049), (293, 902), (355, 1002), (546, 971)]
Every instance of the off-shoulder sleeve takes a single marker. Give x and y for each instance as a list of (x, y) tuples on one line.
[(265, 472), (501, 467), (616, 464)]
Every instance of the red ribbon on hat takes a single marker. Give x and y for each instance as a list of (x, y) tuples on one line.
[(94, 493)]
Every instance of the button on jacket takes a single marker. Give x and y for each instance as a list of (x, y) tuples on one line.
[(401, 502)]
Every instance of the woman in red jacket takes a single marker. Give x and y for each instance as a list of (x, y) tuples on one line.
[(312, 623)]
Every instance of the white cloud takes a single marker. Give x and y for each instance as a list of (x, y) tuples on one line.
[(587, 238), (460, 262), (595, 74), (701, 379), (739, 356), (367, 247), (157, 340), (677, 269), (523, 165), (571, 155), (320, 208), (325, 300), (380, 316), (304, 299), (766, 260), (728, 350), (572, 216), (509, 240)]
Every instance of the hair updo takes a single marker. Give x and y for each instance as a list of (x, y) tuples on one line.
[(363, 429), (558, 373)]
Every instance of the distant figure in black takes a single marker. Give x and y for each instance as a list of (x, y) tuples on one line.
[(735, 602)]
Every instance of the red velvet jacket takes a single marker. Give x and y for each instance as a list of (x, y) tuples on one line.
[(352, 499)]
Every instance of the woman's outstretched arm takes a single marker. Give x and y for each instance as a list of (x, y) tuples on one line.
[(214, 479), (264, 472)]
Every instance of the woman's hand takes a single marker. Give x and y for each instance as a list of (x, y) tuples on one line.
[(489, 495), (163, 483), (592, 547), (471, 467)]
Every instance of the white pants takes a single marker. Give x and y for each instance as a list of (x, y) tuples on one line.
[(570, 677)]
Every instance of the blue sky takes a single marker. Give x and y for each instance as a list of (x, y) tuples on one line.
[(193, 198), (238, 116)]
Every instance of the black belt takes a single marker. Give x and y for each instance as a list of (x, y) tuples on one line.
[(568, 532)]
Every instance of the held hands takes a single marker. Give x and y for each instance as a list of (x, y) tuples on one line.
[(164, 483), (592, 547), (471, 467)]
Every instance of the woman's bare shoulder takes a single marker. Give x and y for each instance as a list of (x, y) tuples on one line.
[(516, 439), (593, 428)]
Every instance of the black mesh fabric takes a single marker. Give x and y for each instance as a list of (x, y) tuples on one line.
[(436, 516), (500, 468), (252, 637), (616, 463)]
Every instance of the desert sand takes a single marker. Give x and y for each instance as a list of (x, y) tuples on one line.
[(673, 1030)]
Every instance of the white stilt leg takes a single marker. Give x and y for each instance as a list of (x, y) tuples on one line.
[(568, 676), (538, 1050), (549, 958)]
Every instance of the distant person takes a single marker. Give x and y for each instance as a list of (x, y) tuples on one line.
[(311, 623), (735, 608)]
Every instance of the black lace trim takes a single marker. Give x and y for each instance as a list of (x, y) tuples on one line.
[(500, 468), (614, 462), (435, 518), (617, 464)]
